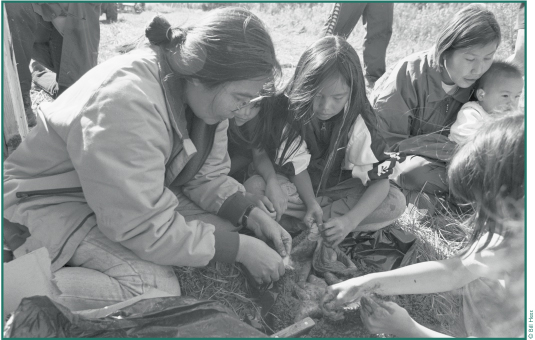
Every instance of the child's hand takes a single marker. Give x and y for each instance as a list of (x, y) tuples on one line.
[(347, 292), (385, 317), (277, 197), (314, 215), (263, 203), (336, 229)]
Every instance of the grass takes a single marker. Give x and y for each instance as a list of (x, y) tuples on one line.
[(293, 27)]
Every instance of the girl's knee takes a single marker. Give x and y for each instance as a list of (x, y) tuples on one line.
[(394, 204), (255, 185)]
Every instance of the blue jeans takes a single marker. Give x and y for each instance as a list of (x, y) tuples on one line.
[(103, 272)]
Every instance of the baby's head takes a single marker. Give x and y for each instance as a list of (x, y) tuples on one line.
[(500, 88)]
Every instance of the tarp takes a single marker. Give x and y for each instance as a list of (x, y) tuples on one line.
[(169, 317)]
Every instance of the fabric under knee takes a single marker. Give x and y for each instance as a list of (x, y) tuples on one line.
[(255, 185), (429, 178), (129, 275)]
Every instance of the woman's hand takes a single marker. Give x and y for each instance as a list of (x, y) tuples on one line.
[(346, 292), (269, 230), (263, 203), (314, 214), (386, 317), (336, 229), (277, 197), (264, 264)]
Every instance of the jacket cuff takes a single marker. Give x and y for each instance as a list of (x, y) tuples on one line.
[(234, 207), (226, 246)]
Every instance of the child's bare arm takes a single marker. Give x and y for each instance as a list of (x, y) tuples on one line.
[(421, 278), (274, 192), (304, 188)]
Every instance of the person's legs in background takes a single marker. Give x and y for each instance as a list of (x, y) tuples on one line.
[(343, 18), (46, 64), (378, 18), (27, 28), (518, 55)]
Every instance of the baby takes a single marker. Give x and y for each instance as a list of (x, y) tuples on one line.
[(498, 93)]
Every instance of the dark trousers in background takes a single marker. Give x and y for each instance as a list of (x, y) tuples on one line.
[(378, 19), (34, 38)]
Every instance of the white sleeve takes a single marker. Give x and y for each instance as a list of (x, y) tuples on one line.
[(468, 121), (359, 155), (300, 158)]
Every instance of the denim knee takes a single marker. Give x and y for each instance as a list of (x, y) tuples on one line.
[(147, 275)]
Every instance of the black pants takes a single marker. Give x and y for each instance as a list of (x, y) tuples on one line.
[(33, 38)]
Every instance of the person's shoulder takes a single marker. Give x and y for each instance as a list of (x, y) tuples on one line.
[(420, 63), (491, 260), (473, 107), (414, 66)]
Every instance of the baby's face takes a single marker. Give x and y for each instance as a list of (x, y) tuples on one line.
[(502, 95)]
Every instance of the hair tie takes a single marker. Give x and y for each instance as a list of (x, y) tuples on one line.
[(169, 37)]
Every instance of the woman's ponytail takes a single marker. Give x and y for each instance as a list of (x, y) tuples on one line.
[(159, 32)]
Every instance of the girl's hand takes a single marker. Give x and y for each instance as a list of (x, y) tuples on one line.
[(268, 230), (314, 214), (263, 203), (386, 317), (336, 229), (277, 197), (346, 292)]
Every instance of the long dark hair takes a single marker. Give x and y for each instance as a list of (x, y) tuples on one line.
[(329, 56), (473, 25), (489, 172)]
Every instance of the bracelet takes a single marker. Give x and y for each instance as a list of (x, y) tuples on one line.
[(245, 215)]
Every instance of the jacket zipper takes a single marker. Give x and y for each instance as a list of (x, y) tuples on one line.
[(26, 194)]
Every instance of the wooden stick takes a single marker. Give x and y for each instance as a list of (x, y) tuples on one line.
[(297, 329)]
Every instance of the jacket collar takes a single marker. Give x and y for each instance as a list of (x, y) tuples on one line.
[(172, 86), (436, 92)]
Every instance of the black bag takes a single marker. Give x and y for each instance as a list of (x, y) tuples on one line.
[(384, 249), (168, 317)]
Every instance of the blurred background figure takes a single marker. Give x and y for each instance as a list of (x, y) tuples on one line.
[(59, 37), (518, 56), (378, 19)]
